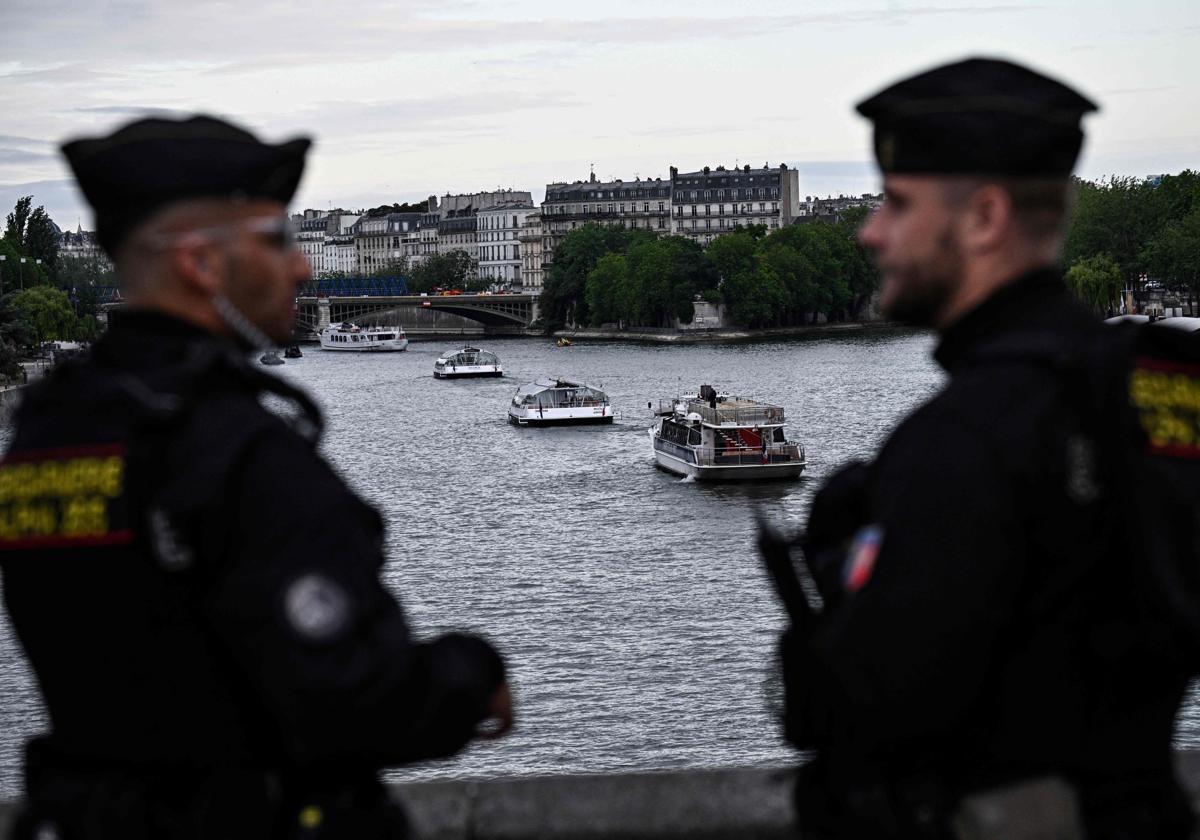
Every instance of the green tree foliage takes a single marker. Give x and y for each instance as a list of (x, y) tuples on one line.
[(14, 227), (607, 275), (30, 234), (48, 312), (651, 283), (10, 268), (1142, 224), (563, 298), (1174, 253), (452, 270), (77, 272), (15, 334), (1096, 281), (798, 273), (41, 240)]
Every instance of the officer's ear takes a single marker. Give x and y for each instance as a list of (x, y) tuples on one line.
[(197, 262), (986, 221)]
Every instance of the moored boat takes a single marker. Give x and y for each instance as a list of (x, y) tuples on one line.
[(355, 339), (466, 362), (559, 402), (718, 437)]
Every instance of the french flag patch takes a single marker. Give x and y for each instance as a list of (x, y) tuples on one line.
[(860, 560)]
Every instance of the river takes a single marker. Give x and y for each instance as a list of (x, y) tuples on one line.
[(638, 626)]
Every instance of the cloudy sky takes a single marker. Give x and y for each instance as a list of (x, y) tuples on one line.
[(411, 98)]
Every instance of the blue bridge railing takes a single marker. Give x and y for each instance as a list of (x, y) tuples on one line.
[(355, 287)]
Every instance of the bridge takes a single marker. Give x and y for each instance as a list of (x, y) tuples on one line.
[(330, 301), (498, 313)]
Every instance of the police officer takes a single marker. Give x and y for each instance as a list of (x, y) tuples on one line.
[(980, 667), (196, 589)]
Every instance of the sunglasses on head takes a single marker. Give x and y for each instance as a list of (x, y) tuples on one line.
[(277, 231)]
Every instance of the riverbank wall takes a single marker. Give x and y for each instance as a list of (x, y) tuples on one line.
[(672, 336), (747, 804)]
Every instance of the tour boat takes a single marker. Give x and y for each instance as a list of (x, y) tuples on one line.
[(558, 402), (468, 361), (347, 336), (718, 437)]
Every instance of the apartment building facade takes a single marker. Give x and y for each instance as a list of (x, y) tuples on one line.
[(712, 201), (640, 203), (498, 231)]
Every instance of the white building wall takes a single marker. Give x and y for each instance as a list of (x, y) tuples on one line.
[(498, 242)]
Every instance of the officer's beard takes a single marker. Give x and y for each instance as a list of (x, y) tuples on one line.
[(925, 288), (244, 330)]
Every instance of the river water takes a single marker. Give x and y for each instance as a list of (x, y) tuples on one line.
[(638, 626)]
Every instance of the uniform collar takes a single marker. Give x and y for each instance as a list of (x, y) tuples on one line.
[(1020, 302), (148, 338)]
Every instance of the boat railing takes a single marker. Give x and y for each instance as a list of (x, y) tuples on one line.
[(759, 414), (775, 453)]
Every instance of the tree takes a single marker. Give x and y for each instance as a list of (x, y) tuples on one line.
[(41, 240), (78, 272), (606, 289), (15, 333), (1096, 281), (452, 270), (48, 312), (14, 228), (564, 293)]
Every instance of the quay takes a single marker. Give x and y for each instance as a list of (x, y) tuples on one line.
[(747, 804)]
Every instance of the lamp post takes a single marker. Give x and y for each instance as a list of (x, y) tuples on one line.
[(21, 274), (3, 259)]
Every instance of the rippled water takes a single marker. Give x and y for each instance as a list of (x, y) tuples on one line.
[(637, 624)]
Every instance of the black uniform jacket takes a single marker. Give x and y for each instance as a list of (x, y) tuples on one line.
[(978, 627), (196, 588)]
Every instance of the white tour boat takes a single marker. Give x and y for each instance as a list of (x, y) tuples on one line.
[(719, 437), (347, 336), (468, 361), (557, 402)]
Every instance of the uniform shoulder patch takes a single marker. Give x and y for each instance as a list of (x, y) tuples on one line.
[(1166, 395), (64, 498), (317, 608), (860, 559)]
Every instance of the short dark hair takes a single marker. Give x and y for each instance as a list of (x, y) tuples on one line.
[(1041, 206)]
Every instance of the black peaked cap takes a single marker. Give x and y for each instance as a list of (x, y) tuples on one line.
[(980, 116), (149, 163)]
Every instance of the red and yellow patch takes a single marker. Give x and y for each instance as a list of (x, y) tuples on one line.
[(1167, 397), (64, 497)]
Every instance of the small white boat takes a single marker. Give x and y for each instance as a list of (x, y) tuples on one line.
[(558, 402), (719, 437), (465, 362), (355, 339)]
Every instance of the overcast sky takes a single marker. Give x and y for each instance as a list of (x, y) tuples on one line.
[(408, 99)]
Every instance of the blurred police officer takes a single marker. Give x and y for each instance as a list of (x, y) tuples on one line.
[(979, 668), (197, 590)]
